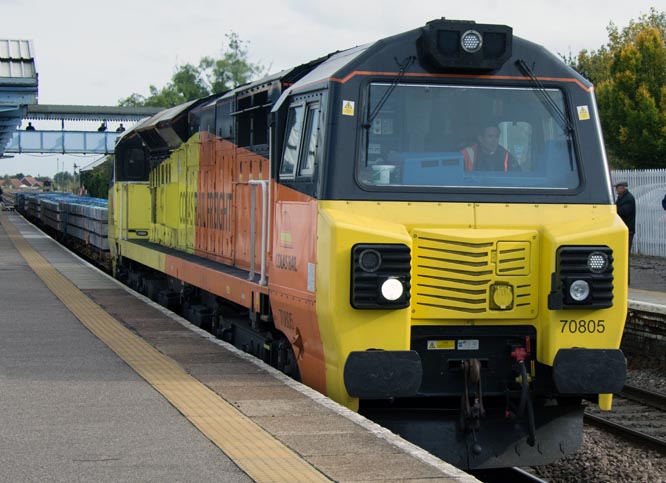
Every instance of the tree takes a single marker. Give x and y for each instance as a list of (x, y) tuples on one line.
[(630, 77), (210, 76), (594, 65), (97, 180), (186, 84), (232, 70), (64, 181)]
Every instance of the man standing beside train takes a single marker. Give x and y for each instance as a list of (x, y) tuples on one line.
[(626, 208)]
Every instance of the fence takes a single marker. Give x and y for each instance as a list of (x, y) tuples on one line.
[(648, 187)]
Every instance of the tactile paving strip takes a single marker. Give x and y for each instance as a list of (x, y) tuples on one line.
[(254, 450)]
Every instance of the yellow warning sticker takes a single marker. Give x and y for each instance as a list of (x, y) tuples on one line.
[(347, 108), (583, 113), (441, 345)]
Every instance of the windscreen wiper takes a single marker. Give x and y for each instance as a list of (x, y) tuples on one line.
[(403, 68), (547, 101), (551, 105)]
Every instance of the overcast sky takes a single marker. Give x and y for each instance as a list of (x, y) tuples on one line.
[(95, 53)]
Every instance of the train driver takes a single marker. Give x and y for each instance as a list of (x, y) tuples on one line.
[(487, 154)]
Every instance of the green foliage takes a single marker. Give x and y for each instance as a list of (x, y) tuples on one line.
[(186, 84), (65, 182), (96, 181), (592, 65), (630, 77), (210, 76), (189, 82), (232, 70), (63, 177)]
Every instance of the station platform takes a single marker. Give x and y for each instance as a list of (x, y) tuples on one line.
[(100, 384), (647, 301), (647, 290)]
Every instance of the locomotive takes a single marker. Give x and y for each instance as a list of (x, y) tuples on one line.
[(331, 220)]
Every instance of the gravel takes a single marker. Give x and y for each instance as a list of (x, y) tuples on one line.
[(650, 379), (604, 458)]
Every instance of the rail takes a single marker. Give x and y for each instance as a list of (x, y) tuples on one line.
[(7, 201), (503, 475), (643, 396), (638, 416)]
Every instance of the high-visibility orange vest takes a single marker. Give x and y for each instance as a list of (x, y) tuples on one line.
[(470, 152)]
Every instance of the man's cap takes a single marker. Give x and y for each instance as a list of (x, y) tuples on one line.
[(622, 183)]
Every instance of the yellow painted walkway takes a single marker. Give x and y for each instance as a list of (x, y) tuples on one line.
[(255, 451)]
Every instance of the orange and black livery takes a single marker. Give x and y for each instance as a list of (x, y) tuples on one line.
[(325, 219)]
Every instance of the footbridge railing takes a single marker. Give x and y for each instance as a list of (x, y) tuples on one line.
[(63, 142)]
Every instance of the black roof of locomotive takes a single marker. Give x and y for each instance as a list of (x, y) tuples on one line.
[(376, 58), (382, 57)]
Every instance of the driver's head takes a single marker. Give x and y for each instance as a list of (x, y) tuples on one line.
[(489, 139)]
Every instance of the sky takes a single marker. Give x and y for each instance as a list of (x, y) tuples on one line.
[(92, 53)]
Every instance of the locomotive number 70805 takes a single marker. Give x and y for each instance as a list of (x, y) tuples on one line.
[(583, 326)]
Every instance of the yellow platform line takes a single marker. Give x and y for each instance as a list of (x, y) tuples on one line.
[(254, 450)]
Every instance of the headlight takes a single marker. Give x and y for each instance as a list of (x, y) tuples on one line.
[(579, 290), (583, 277), (370, 260), (471, 41), (392, 289), (597, 262), (380, 276)]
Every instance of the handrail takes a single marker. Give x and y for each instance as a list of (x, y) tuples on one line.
[(264, 227)]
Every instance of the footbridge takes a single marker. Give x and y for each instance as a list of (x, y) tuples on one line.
[(18, 102), (66, 141), (18, 85)]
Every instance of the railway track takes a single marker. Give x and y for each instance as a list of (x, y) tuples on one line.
[(8, 201), (638, 415), (505, 475)]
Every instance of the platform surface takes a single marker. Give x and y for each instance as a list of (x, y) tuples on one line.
[(100, 384)]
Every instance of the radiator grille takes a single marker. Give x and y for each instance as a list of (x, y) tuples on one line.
[(453, 273)]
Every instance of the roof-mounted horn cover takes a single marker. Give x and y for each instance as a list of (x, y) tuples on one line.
[(464, 45)]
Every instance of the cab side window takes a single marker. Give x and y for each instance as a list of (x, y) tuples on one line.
[(292, 142), (299, 157), (311, 141)]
